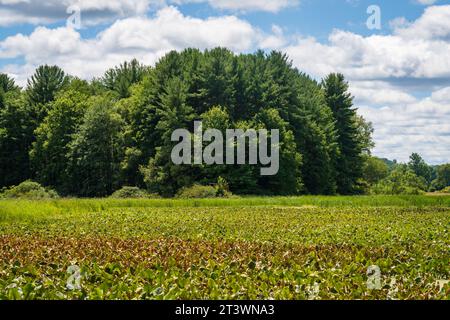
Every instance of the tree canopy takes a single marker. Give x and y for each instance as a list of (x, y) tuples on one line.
[(92, 138)]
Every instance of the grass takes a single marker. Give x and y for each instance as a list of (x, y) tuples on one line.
[(243, 248)]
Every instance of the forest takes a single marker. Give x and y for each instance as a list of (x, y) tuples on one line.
[(94, 138)]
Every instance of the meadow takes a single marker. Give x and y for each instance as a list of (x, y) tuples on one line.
[(240, 248)]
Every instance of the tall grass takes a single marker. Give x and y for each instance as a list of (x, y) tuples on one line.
[(21, 209)]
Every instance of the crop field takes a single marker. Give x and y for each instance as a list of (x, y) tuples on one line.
[(243, 248)]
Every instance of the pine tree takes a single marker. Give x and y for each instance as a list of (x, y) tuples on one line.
[(161, 175), (45, 83), (120, 79), (7, 84), (421, 168), (349, 163)]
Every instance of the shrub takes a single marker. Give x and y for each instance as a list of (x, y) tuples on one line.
[(445, 190), (197, 192), (30, 190), (132, 193), (222, 188), (401, 181)]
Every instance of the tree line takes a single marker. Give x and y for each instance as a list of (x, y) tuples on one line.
[(90, 138)]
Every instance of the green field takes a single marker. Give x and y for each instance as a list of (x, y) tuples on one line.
[(243, 248)]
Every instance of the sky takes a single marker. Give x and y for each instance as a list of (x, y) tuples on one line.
[(397, 62)]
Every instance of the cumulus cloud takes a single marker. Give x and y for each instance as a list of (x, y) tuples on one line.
[(426, 2), (247, 5), (146, 39), (50, 11), (379, 93), (422, 126), (42, 12), (417, 51), (385, 73), (433, 24)]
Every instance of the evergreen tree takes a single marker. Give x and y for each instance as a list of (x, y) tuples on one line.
[(45, 83), (161, 175), (217, 87), (349, 163), (7, 84), (120, 79), (316, 137), (92, 138), (420, 167)]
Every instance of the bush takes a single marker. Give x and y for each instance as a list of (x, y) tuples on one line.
[(401, 181), (197, 192), (132, 193), (222, 188), (29, 190), (445, 190)]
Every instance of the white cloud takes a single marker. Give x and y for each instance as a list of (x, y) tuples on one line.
[(373, 58), (442, 95), (49, 11), (379, 93), (433, 24), (146, 39), (426, 2), (251, 5), (423, 126), (43, 12), (384, 71)]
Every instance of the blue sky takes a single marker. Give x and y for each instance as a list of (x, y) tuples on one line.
[(310, 17), (399, 74), (319, 17)]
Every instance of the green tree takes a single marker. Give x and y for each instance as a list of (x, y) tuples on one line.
[(161, 175), (374, 171), (218, 118), (42, 88), (53, 137), (16, 136), (364, 135), (316, 137), (217, 87), (288, 180), (45, 83), (349, 164), (120, 79), (143, 118), (323, 141), (401, 180), (443, 177), (7, 84), (420, 167), (95, 151)]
